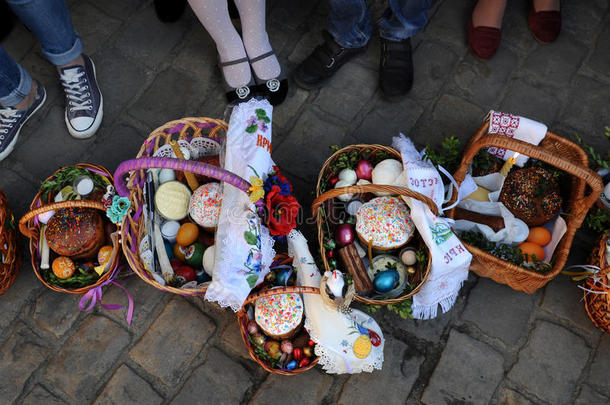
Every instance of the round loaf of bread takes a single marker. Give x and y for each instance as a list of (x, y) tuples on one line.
[(75, 232)]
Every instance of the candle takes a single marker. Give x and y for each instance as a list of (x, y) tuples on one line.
[(508, 165)]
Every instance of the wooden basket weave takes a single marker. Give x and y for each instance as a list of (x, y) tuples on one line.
[(598, 305), (326, 172), (30, 227), (560, 153), (134, 227), (242, 319), (9, 267)]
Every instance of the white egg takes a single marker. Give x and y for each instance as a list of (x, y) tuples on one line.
[(607, 191), (348, 176), (344, 197), (166, 175), (208, 260)]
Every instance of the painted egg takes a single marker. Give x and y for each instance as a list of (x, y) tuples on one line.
[(252, 327), (385, 281), (185, 273), (286, 346), (103, 255), (187, 234), (308, 351), (291, 365), (179, 252), (258, 339), (304, 362), (272, 347), (282, 276), (297, 353), (63, 267), (193, 255)]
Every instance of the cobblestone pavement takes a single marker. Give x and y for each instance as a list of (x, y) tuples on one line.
[(495, 346)]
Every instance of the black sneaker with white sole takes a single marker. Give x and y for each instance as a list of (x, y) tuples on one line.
[(12, 120), (84, 102)]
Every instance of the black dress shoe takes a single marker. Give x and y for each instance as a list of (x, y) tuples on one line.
[(323, 62), (169, 10), (274, 90), (395, 69)]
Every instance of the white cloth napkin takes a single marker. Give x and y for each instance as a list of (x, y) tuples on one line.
[(450, 259), (514, 126), (346, 343), (244, 248)]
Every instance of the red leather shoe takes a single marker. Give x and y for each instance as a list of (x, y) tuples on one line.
[(545, 25), (483, 41)]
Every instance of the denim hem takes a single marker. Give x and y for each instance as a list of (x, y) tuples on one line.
[(59, 59), (22, 90)]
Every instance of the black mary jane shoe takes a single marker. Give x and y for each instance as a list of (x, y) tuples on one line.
[(239, 94), (275, 90)]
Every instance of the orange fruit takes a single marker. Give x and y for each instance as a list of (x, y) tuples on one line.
[(63, 267), (530, 249), (539, 235)]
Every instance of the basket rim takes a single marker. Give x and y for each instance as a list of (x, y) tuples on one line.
[(9, 269)]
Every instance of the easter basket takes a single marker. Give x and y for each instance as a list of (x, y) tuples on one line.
[(597, 299), (257, 353), (200, 137), (554, 151), (326, 195), (9, 251), (31, 226)]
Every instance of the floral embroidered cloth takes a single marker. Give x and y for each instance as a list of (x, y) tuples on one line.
[(244, 247), (346, 343)]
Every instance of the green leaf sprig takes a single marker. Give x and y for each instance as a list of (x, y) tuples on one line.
[(66, 177)]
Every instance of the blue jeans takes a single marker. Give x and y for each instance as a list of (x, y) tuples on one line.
[(349, 21), (50, 21)]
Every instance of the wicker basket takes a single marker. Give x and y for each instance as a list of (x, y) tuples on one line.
[(326, 172), (30, 227), (133, 229), (598, 305), (242, 319), (560, 153), (9, 267)]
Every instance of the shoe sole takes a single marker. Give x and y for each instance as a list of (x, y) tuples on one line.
[(11, 145), (308, 86), (89, 132)]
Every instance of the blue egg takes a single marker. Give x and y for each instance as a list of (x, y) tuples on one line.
[(386, 281), (202, 276), (282, 276), (169, 249), (291, 365)]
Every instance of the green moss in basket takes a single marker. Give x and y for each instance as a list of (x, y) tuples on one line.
[(83, 277), (66, 177), (448, 156), (502, 251)]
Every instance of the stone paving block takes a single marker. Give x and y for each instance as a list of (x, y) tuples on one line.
[(307, 146), (387, 120), (18, 42), (534, 101), (542, 62), (171, 96), (118, 94), (350, 89), (147, 39), (13, 300), (429, 329), (563, 298), (126, 387), (388, 386), (118, 8), (291, 14), (198, 55), (287, 113), (85, 357), (600, 58), (582, 18), (39, 395), (598, 374), (20, 356), (106, 152), (18, 190), (588, 109), (309, 387), (219, 380), (508, 396), (588, 396), (306, 44), (451, 116), (516, 33), (483, 81), (449, 24), (551, 363), (42, 70), (499, 311), (50, 147), (93, 26), (55, 312), (432, 65), (468, 372), (173, 341), (231, 340)]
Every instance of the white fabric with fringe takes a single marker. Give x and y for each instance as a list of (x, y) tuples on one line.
[(450, 259), (346, 343)]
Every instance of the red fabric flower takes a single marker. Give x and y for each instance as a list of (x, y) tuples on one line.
[(282, 212), (282, 178)]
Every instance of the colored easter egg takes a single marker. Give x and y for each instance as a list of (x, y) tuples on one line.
[(103, 255), (185, 273), (63, 267), (187, 234), (291, 365), (193, 255), (385, 281), (539, 235)]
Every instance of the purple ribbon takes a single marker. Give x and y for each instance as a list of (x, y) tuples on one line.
[(95, 294)]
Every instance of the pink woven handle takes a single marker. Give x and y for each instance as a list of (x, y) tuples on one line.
[(192, 166)]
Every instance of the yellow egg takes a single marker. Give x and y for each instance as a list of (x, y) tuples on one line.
[(530, 249), (63, 267), (362, 346), (539, 235), (187, 234), (103, 256)]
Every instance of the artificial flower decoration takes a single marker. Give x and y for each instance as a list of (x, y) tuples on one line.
[(119, 208), (276, 178), (282, 212), (256, 189)]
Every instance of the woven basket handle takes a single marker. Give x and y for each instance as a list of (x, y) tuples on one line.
[(371, 188), (593, 179), (192, 166), (53, 207), (281, 290)]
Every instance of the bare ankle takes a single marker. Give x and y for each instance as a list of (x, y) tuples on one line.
[(28, 100)]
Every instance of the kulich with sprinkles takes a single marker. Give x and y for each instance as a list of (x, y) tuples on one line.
[(204, 207), (279, 316), (77, 233), (532, 195), (385, 222)]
